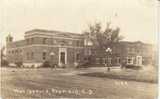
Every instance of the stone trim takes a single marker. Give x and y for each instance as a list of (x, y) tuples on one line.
[(42, 45), (51, 36)]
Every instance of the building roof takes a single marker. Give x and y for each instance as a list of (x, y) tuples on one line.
[(135, 42), (50, 31), (54, 32), (16, 44)]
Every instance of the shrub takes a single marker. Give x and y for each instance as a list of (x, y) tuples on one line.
[(135, 67), (46, 64), (4, 63), (84, 65), (19, 64)]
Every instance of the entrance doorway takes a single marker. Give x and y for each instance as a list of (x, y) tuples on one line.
[(62, 56)]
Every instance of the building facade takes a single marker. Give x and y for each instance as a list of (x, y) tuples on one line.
[(70, 49), (124, 52), (44, 45)]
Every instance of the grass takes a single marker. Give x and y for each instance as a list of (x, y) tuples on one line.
[(47, 79), (133, 75)]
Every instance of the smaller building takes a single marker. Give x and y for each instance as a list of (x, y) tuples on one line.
[(123, 52)]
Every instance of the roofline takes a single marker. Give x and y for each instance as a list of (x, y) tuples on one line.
[(50, 31), (133, 42)]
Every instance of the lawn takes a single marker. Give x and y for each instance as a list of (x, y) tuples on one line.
[(19, 83), (150, 76)]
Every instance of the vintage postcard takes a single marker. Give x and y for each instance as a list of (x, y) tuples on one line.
[(101, 49)]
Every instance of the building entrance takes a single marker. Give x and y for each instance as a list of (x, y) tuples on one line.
[(62, 56)]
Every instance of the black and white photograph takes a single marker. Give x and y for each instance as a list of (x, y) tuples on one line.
[(73, 49)]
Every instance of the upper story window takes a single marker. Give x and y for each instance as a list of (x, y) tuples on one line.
[(54, 41), (9, 52), (77, 56), (28, 41), (117, 60), (20, 50), (32, 55), (44, 55), (131, 49), (16, 51), (12, 51), (44, 40), (27, 54), (129, 60), (89, 52), (70, 42), (88, 42), (97, 60), (78, 43), (32, 40)]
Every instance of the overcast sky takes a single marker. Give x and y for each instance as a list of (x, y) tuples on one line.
[(136, 18)]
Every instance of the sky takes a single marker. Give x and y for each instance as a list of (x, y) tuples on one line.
[(136, 18)]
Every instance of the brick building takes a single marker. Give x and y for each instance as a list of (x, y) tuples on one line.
[(44, 45), (64, 48), (130, 53)]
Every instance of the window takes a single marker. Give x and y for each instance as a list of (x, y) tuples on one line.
[(104, 60), (137, 51), (20, 51), (32, 55), (54, 42), (44, 40), (27, 56), (109, 60), (133, 50), (12, 51), (129, 60), (32, 40), (70, 42), (44, 56), (89, 52), (62, 42), (118, 60), (97, 60), (16, 51), (85, 52), (93, 52), (28, 41), (77, 57), (78, 43)]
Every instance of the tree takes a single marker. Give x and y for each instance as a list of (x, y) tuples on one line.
[(2, 52), (4, 62), (103, 38)]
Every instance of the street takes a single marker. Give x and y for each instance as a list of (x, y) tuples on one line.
[(65, 83)]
